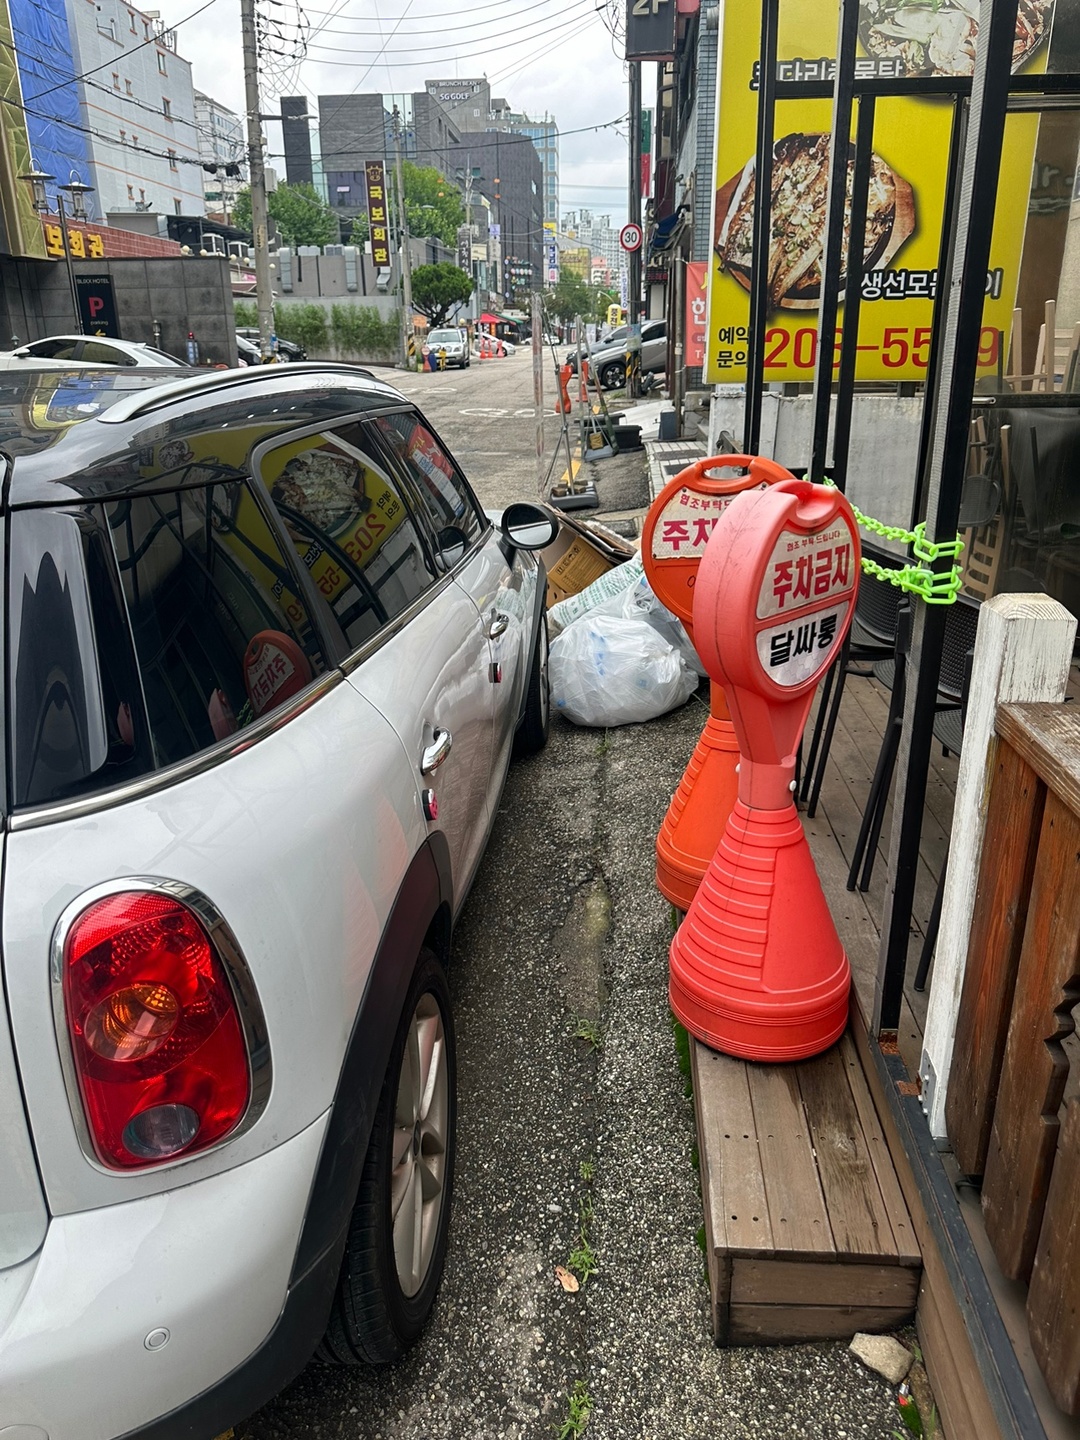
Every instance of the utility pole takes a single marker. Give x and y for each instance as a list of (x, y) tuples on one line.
[(264, 297), (634, 216), (406, 258)]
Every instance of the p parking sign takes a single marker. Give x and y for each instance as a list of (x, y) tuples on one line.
[(97, 306)]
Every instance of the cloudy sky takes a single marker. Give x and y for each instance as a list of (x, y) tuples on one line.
[(557, 57)]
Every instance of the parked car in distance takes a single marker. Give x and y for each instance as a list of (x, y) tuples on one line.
[(74, 350), (269, 660), (607, 358), (288, 349), (451, 339)]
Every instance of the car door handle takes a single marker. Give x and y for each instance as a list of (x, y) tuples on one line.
[(497, 624), (433, 755)]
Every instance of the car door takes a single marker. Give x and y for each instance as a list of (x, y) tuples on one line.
[(490, 572), (418, 653), (654, 347)]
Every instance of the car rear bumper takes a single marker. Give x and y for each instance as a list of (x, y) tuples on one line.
[(128, 1312)]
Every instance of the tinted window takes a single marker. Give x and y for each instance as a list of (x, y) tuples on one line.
[(351, 528), (220, 633), (78, 722), (53, 349), (104, 354), (440, 486)]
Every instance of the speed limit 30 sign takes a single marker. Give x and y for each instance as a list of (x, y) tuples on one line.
[(630, 237)]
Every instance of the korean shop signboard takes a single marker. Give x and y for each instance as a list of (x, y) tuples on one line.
[(650, 29), (906, 199), (378, 224)]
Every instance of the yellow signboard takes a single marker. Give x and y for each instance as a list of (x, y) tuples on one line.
[(907, 194)]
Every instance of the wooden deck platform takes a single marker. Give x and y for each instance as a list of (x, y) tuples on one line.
[(807, 1233)]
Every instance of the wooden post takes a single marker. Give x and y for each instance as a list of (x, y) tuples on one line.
[(1022, 653)]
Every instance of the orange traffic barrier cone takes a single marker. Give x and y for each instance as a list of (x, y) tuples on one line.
[(676, 531), (757, 968), (563, 403)]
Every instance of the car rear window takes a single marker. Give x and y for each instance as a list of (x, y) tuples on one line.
[(144, 631)]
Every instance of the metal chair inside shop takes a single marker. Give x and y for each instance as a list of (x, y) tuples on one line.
[(871, 639)]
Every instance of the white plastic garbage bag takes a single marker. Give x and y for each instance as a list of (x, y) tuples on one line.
[(610, 670), (613, 584), (639, 601)]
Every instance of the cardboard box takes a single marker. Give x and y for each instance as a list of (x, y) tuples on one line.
[(580, 554)]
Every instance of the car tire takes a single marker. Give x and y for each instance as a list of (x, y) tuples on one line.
[(613, 375), (532, 733), (391, 1270)]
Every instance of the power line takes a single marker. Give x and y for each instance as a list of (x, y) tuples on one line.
[(452, 29), (472, 55)]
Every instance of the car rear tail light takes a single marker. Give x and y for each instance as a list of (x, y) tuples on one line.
[(156, 1035)]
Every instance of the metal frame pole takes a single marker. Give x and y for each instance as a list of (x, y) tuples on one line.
[(67, 261), (833, 256), (849, 341), (260, 220), (962, 285), (937, 315), (759, 272)]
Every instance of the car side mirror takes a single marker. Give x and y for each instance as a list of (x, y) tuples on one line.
[(22, 352), (527, 527)]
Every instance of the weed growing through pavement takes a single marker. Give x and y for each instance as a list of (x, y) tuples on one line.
[(604, 745), (582, 1259), (591, 1031), (579, 1408), (587, 1170)]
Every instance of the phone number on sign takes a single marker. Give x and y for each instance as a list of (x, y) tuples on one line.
[(898, 348)]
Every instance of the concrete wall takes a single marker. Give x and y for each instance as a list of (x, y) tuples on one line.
[(183, 294)]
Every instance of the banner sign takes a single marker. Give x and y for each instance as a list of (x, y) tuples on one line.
[(378, 224), (464, 248), (696, 307), (906, 198), (650, 29)]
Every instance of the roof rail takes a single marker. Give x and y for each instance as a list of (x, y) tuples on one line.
[(158, 396)]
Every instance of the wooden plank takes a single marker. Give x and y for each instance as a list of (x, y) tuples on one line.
[(1048, 737), (1053, 1303), (907, 1246), (955, 1401), (809, 1282), (795, 1324), (1013, 821), (796, 1207), (1025, 1128), (736, 1203), (857, 1214)]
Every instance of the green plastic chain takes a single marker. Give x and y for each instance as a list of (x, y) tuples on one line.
[(931, 586)]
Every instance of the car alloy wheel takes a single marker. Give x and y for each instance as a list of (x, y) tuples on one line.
[(613, 375), (418, 1174), (396, 1247)]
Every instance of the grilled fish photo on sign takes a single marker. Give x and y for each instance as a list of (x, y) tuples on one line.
[(800, 182), (937, 37)]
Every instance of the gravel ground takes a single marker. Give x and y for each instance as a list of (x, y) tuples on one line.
[(573, 1114)]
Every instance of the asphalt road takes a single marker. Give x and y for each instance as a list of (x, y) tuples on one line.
[(573, 1112)]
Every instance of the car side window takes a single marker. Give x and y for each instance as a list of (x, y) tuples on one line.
[(440, 486), (351, 527), (221, 635), (104, 354), (53, 349)]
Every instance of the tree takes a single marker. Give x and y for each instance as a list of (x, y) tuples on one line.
[(570, 297), (438, 290), (301, 216), (360, 231), (433, 205)]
